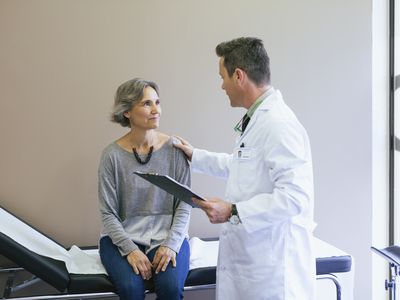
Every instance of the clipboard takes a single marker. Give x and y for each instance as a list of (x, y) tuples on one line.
[(170, 185)]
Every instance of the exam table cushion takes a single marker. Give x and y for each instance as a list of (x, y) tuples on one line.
[(391, 253), (84, 283), (333, 264), (49, 270), (55, 273)]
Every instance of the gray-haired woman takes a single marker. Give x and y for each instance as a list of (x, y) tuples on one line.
[(144, 235)]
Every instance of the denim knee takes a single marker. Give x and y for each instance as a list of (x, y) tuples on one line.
[(127, 289), (169, 290)]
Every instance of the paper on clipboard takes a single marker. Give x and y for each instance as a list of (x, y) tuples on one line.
[(170, 185)]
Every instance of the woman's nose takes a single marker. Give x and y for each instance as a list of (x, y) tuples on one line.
[(155, 109)]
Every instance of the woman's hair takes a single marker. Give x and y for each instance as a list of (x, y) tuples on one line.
[(128, 94)]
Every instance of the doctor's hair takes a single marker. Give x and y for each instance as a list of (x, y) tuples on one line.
[(247, 54), (128, 94)]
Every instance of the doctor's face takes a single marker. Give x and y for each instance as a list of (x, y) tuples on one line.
[(229, 84), (146, 113)]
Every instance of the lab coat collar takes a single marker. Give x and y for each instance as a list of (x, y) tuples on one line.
[(259, 101), (272, 98)]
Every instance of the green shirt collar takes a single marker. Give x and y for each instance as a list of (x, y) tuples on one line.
[(259, 100), (253, 108)]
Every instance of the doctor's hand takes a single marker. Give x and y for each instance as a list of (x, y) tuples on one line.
[(185, 147), (217, 210), (140, 263), (163, 256)]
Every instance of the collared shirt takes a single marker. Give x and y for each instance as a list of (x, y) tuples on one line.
[(241, 125), (259, 100)]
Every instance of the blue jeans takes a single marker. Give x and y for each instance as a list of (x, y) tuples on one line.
[(168, 285)]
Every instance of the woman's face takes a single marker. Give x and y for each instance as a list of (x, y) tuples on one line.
[(146, 113)]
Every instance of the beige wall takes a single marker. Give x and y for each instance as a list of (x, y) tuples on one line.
[(61, 61)]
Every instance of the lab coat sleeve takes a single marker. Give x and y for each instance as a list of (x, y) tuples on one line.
[(211, 163), (287, 160)]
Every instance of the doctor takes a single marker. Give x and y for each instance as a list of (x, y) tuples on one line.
[(266, 238)]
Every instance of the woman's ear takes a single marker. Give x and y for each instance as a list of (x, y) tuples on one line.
[(127, 114)]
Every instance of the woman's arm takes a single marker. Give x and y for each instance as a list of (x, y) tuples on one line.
[(180, 222), (109, 206)]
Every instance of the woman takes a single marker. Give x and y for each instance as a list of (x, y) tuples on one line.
[(144, 233)]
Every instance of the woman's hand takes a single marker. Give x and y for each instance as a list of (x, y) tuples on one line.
[(185, 147), (162, 258), (140, 263)]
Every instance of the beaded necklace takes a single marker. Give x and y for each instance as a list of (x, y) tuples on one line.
[(147, 159)]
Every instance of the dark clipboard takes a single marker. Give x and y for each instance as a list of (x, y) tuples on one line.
[(170, 185)]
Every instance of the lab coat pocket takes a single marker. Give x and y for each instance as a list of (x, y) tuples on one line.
[(249, 166), (267, 248), (253, 259)]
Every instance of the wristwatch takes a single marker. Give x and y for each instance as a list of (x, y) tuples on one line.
[(234, 218)]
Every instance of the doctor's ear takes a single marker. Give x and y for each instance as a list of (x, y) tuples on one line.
[(239, 75)]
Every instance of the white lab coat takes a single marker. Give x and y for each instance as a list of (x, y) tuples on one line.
[(269, 255)]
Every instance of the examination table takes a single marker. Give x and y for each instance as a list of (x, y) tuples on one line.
[(78, 273)]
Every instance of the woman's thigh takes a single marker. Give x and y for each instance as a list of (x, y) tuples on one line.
[(170, 283), (126, 282)]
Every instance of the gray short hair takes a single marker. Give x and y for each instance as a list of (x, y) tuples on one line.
[(128, 94)]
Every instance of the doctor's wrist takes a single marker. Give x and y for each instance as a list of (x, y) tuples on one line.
[(234, 217)]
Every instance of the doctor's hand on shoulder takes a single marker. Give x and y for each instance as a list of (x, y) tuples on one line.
[(184, 145), (217, 210)]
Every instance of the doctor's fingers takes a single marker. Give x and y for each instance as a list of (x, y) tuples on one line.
[(214, 217), (200, 203), (183, 141), (185, 146), (210, 212), (218, 211)]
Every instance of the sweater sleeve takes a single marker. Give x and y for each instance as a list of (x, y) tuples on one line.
[(109, 206), (180, 222)]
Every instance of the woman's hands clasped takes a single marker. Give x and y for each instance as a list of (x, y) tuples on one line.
[(142, 265)]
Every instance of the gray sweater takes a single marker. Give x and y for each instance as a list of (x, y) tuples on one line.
[(134, 211)]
